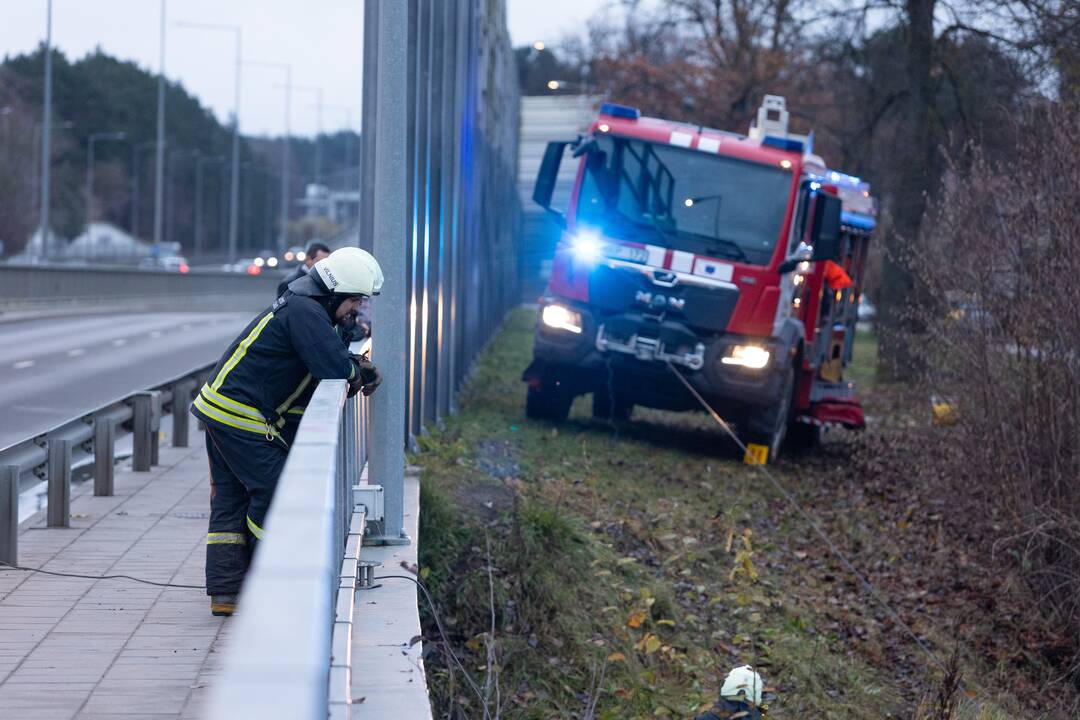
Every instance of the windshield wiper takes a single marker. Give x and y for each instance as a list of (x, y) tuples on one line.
[(730, 248)]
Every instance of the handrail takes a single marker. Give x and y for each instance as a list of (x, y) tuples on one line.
[(54, 453), (296, 603)]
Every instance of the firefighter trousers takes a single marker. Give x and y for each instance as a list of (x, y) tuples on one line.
[(244, 470)]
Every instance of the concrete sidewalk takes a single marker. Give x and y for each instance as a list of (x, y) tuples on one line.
[(76, 648)]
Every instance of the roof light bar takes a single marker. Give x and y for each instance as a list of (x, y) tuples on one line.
[(788, 144), (620, 111)]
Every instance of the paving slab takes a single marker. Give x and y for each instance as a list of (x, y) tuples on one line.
[(83, 648), (387, 665)]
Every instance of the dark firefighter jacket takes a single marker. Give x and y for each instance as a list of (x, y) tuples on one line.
[(267, 375), (296, 274), (728, 709)]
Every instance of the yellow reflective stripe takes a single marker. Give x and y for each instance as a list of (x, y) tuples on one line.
[(297, 410), (226, 538), (230, 419), (241, 350), (257, 531), (283, 407), (239, 408)]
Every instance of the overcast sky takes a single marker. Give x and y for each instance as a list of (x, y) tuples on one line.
[(321, 39)]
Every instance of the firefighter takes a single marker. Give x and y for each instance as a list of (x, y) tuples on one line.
[(316, 251), (740, 696), (255, 396)]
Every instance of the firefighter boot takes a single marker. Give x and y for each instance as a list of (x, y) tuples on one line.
[(222, 605)]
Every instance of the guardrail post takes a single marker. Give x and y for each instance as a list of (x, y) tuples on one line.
[(9, 514), (181, 396), (104, 456), (145, 441), (59, 509)]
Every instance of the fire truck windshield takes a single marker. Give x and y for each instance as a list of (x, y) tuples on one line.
[(684, 199)]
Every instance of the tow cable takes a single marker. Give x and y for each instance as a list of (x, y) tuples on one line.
[(790, 499)]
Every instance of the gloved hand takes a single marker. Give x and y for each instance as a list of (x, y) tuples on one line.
[(367, 377)]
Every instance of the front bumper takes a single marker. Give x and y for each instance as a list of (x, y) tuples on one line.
[(630, 352)]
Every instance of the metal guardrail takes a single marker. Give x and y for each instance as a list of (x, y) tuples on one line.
[(289, 652), (52, 455), (31, 288)]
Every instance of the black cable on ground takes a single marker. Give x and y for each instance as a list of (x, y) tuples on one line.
[(442, 632), (101, 577)]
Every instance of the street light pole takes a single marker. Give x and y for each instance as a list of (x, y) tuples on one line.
[(197, 254), (348, 141), (318, 128), (94, 137), (283, 231), (46, 143), (159, 167), (135, 184), (234, 189)]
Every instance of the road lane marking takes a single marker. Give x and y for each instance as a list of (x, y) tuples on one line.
[(23, 364), (76, 352), (119, 342), (185, 326), (155, 334)]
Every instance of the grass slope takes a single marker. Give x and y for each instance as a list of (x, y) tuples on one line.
[(593, 570)]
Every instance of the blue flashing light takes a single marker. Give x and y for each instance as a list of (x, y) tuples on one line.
[(786, 144), (839, 178), (620, 111), (857, 220), (587, 247)]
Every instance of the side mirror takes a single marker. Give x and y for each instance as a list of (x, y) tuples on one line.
[(548, 174), (803, 253), (825, 231)]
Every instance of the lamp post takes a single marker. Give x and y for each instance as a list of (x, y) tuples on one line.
[(138, 148), (173, 156), (94, 137), (159, 165), (234, 189), (283, 231), (318, 127), (46, 152), (348, 139), (198, 201)]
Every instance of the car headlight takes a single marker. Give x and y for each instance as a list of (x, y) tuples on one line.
[(754, 357), (561, 318)]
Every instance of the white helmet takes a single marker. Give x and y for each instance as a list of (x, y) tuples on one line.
[(743, 684), (350, 271)]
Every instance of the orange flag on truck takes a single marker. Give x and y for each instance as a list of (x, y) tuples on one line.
[(836, 277)]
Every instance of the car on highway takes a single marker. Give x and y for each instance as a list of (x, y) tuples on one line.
[(172, 263)]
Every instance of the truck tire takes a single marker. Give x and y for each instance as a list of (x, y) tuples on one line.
[(604, 409), (803, 437), (548, 401), (768, 426)]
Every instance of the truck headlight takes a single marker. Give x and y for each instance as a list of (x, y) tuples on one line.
[(754, 357), (560, 318)]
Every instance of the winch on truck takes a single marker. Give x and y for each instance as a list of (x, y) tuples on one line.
[(715, 252)]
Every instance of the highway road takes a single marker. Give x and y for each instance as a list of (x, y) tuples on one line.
[(56, 369)]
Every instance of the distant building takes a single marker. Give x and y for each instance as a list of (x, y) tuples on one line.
[(338, 206), (37, 250), (103, 242)]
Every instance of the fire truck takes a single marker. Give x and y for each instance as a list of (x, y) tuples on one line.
[(736, 260)]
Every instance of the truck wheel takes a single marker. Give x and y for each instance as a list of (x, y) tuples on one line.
[(604, 409), (803, 437), (549, 401), (768, 426)]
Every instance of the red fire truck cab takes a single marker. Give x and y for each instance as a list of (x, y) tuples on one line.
[(738, 259)]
